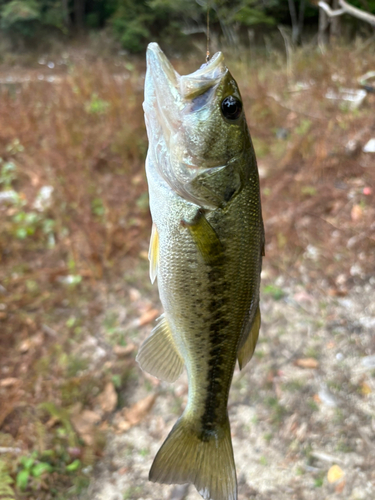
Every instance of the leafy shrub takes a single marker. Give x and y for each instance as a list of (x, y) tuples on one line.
[(24, 19), (21, 16)]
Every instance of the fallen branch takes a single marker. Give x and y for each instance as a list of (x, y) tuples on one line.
[(331, 13), (360, 14), (346, 8)]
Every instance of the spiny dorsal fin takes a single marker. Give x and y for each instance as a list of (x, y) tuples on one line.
[(153, 253), (158, 354), (246, 351)]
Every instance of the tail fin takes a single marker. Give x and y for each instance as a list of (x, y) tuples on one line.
[(207, 463)]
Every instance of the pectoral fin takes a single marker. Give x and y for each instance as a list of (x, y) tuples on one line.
[(206, 239), (158, 354), (153, 253), (246, 350)]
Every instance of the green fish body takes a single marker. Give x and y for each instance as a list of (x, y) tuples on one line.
[(206, 250)]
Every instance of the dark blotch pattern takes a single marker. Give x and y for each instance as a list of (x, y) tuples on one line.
[(219, 290)]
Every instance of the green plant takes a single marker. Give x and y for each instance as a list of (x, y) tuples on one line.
[(7, 173), (308, 190), (14, 147), (27, 224), (97, 207), (6, 490), (273, 290), (62, 415), (143, 201), (293, 385), (318, 482), (31, 468), (131, 492), (96, 105), (250, 16), (303, 127), (75, 465), (278, 411), (312, 405), (268, 437)]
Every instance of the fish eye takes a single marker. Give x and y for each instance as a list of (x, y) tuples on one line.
[(231, 107)]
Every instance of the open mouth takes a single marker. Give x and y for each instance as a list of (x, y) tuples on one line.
[(164, 76)]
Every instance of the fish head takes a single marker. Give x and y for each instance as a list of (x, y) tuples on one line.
[(196, 128)]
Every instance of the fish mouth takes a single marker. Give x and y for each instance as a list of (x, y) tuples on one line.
[(173, 91), (169, 96), (186, 86)]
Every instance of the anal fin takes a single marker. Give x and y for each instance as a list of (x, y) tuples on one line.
[(158, 354), (246, 351)]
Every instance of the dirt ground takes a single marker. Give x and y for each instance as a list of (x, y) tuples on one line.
[(303, 405)]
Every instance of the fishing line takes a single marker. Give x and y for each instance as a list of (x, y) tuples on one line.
[(208, 33)]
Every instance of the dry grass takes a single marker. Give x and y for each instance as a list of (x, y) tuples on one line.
[(83, 136), (315, 174)]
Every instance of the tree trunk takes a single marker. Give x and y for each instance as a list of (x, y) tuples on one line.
[(335, 22), (301, 18), (323, 28), (66, 15), (297, 21), (79, 14), (293, 17)]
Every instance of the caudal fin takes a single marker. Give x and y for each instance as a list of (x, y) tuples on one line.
[(208, 463)]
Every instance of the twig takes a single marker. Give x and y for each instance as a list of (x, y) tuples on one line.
[(7, 449), (49, 331), (288, 50), (325, 457), (359, 235), (331, 13), (360, 14), (278, 100)]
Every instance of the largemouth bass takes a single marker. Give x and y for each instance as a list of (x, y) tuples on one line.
[(206, 250)]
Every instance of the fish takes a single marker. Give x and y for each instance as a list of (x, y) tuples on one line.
[(206, 249)]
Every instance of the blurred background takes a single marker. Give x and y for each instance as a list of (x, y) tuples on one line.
[(78, 418)]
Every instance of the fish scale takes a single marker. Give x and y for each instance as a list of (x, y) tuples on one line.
[(206, 251)]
